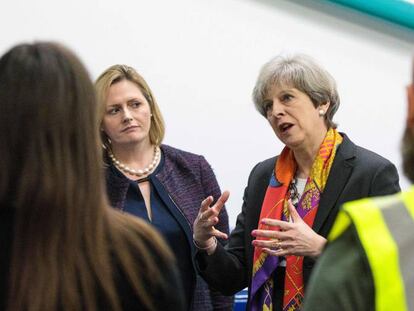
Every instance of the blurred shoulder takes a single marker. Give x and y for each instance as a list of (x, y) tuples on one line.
[(141, 257), (333, 285)]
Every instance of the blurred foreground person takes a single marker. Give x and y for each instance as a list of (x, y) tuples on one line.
[(61, 246), (369, 262)]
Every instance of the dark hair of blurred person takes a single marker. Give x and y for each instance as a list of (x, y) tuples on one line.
[(62, 247)]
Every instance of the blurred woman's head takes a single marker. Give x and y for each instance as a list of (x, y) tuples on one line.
[(48, 120), (65, 236), (302, 73), (129, 111)]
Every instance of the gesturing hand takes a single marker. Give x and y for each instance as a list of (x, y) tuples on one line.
[(207, 217), (294, 238)]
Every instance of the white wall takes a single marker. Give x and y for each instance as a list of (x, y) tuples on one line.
[(201, 58)]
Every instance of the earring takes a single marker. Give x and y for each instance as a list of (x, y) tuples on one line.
[(321, 112)]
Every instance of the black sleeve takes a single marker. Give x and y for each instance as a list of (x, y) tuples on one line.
[(219, 301), (227, 269), (385, 181)]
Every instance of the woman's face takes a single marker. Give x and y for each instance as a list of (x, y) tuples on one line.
[(294, 118), (127, 118)]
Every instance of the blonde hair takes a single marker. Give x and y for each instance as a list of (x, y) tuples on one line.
[(117, 73), (66, 237)]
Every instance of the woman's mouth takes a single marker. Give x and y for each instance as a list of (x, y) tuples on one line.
[(129, 128), (284, 127)]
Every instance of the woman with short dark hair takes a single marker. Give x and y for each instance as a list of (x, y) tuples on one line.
[(291, 200)]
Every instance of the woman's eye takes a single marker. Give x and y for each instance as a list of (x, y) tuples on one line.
[(268, 106), (113, 111), (286, 97), (135, 104)]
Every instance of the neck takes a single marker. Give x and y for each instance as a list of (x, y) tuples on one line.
[(134, 155), (306, 154)]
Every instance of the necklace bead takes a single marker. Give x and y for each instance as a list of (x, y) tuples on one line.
[(139, 172)]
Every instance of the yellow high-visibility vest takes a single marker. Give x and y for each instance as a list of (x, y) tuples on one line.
[(385, 227)]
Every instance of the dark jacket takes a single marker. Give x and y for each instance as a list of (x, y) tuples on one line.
[(166, 294), (355, 173), (188, 179)]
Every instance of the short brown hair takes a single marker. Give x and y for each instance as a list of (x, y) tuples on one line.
[(303, 73)]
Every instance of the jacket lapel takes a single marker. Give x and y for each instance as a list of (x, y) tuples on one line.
[(338, 177)]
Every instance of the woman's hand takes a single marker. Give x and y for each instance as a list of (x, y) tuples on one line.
[(294, 238), (204, 232)]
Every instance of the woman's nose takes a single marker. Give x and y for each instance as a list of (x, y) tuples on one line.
[(127, 115), (277, 109)]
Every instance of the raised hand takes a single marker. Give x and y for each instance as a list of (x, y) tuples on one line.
[(293, 238), (204, 231)]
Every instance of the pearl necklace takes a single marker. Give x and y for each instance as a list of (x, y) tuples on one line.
[(138, 172)]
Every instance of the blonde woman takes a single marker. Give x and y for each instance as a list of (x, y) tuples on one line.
[(153, 181)]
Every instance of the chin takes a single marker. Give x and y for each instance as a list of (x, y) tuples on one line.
[(293, 143), (140, 141), (134, 141)]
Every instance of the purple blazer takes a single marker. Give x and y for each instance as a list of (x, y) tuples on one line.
[(188, 179)]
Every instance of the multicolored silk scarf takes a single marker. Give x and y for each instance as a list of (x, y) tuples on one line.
[(275, 205)]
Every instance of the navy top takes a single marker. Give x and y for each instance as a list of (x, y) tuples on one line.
[(165, 218), (188, 179)]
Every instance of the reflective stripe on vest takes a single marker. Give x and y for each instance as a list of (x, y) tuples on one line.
[(385, 227)]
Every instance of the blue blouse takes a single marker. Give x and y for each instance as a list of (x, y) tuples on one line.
[(167, 219)]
